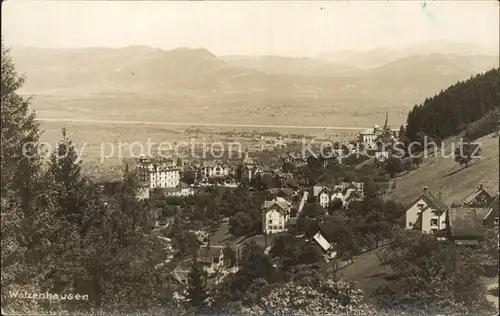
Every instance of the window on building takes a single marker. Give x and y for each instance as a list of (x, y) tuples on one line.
[(280, 227), (410, 224), (269, 227), (420, 205), (270, 221), (434, 222)]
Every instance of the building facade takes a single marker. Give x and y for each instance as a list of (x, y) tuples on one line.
[(426, 214), (371, 138), (158, 174), (275, 215), (345, 192), (211, 258), (215, 169), (249, 168)]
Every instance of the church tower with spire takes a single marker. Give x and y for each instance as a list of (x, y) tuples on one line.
[(386, 133), (247, 160), (386, 126)]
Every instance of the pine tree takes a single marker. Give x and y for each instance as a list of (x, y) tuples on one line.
[(402, 132), (197, 292), (20, 160), (129, 205), (28, 220), (450, 111), (68, 184)]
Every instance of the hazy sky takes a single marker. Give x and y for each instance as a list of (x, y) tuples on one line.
[(280, 28)]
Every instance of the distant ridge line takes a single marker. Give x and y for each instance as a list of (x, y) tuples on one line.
[(201, 124)]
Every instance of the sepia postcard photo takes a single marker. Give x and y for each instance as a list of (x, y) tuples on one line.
[(250, 157)]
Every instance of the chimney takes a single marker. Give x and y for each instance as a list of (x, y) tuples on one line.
[(480, 186), (425, 189)]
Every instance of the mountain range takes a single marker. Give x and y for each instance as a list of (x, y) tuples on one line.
[(145, 70)]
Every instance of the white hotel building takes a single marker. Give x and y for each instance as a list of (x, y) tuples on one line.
[(164, 174)]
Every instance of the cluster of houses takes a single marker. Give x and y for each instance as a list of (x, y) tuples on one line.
[(342, 193), (461, 223), (277, 212), (166, 175), (212, 260)]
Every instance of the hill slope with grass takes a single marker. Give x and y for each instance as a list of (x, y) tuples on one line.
[(454, 181)]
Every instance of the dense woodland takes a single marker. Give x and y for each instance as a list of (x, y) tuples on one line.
[(452, 110), (62, 234)]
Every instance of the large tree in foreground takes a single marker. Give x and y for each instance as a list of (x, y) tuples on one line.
[(197, 292), (433, 277), (68, 185), (28, 223), (329, 298), (20, 162)]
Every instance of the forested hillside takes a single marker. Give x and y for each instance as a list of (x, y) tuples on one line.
[(452, 110)]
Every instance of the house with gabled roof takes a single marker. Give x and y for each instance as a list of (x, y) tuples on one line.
[(249, 168), (348, 191), (322, 194), (322, 242), (464, 225), (182, 190), (427, 213), (211, 258), (180, 275), (275, 215), (479, 198), (324, 239)]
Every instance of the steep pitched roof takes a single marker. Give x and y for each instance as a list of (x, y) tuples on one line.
[(355, 185), (322, 241), (353, 195), (432, 201), (338, 188), (180, 276), (474, 195), (368, 131), (466, 221), (214, 163), (207, 254), (317, 189), (280, 202)]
